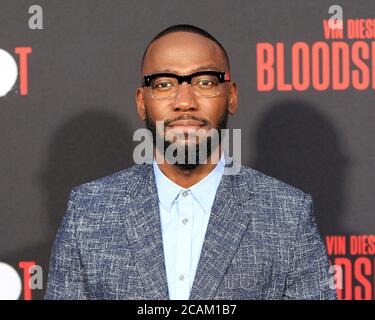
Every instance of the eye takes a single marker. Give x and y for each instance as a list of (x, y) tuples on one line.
[(163, 84), (206, 82)]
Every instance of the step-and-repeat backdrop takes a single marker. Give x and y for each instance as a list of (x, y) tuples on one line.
[(68, 72)]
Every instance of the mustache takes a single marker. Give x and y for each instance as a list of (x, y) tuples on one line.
[(186, 117)]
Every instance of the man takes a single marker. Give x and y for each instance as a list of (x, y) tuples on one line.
[(185, 230)]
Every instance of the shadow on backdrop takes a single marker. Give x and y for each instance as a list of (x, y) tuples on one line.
[(89, 146), (300, 146)]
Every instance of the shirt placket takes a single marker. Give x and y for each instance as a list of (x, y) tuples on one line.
[(184, 243)]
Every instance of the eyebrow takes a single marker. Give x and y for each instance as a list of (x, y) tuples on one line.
[(210, 67)]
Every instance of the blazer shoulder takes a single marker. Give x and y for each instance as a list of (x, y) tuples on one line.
[(264, 184), (275, 200), (123, 180), (99, 201)]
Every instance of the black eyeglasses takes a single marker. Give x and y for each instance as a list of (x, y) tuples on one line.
[(203, 83)]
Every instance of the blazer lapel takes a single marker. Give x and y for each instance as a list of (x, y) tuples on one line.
[(227, 225), (143, 230)]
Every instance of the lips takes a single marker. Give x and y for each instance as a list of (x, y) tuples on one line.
[(186, 123)]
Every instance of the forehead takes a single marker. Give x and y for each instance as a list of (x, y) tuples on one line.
[(183, 53)]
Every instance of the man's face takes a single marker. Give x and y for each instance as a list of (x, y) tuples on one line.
[(184, 53)]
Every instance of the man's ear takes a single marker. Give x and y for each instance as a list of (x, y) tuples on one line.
[(140, 101), (232, 98)]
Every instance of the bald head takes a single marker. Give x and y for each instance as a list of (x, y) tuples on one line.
[(187, 44)]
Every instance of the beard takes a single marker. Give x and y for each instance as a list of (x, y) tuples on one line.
[(189, 151)]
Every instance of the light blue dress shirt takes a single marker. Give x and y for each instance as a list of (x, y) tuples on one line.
[(184, 215)]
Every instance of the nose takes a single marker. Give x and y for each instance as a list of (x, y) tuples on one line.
[(185, 99)]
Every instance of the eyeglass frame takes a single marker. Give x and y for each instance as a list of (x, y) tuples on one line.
[(221, 75)]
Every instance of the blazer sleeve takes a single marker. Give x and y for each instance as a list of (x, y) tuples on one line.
[(65, 278), (309, 276)]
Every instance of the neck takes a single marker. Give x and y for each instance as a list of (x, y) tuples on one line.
[(187, 178)]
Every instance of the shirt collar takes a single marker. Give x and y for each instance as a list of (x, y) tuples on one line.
[(203, 191)]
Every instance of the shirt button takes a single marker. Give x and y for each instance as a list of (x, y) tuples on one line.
[(185, 193), (181, 277), (185, 221)]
